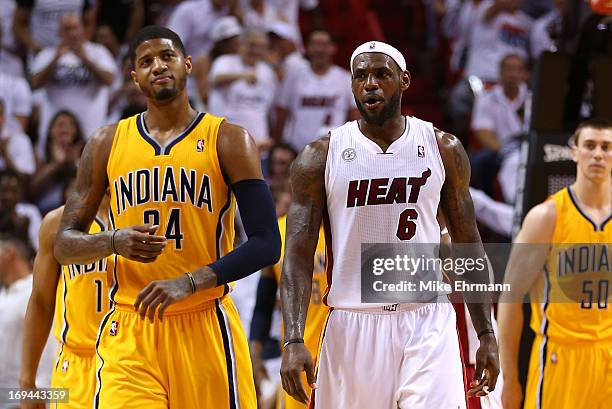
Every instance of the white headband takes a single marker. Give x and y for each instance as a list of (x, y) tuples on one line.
[(380, 47)]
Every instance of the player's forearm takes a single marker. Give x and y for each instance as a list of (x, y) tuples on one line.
[(38, 320), (296, 286), (510, 319), (75, 247)]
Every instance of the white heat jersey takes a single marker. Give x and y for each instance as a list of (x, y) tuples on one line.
[(377, 197)]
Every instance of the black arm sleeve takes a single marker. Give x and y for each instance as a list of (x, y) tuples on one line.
[(263, 246), (264, 308)]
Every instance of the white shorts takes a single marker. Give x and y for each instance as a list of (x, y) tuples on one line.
[(379, 359)]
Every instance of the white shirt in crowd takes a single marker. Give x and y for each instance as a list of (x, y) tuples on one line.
[(490, 42), (30, 212), (9, 62), (16, 94), (13, 304), (316, 103), (19, 148), (289, 12), (494, 111), (193, 20), (540, 40), (244, 104), (45, 16), (74, 87)]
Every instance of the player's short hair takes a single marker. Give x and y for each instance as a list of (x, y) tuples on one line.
[(593, 123), (153, 32)]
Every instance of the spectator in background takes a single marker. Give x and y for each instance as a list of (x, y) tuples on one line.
[(104, 35), (243, 87), (457, 24), (315, 99), (17, 100), (547, 30), (14, 89), (126, 99), (500, 29), (193, 21), (16, 152), (280, 157), (260, 13), (17, 218), (288, 11), (57, 167), (225, 35), (36, 22), (498, 120), (10, 59), (285, 55), (494, 28), (124, 18), (15, 289), (76, 75)]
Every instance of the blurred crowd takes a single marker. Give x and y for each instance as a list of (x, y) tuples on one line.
[(64, 72)]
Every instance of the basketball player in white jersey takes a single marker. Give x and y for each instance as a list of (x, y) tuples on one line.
[(379, 180)]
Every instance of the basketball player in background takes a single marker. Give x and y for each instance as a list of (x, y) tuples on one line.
[(75, 297), (571, 357), (379, 355), (173, 174), (264, 308)]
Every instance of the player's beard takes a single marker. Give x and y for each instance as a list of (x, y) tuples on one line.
[(168, 93), (387, 112)]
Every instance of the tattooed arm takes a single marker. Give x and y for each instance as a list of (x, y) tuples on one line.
[(303, 223), (73, 244), (458, 209)]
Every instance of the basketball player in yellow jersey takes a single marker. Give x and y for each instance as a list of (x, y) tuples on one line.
[(172, 338), (571, 358), (76, 298), (315, 320)]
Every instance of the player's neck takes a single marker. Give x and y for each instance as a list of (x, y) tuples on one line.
[(388, 131), (168, 116), (593, 195)]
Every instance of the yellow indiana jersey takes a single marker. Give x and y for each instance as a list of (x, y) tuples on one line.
[(81, 301), (178, 187), (317, 311), (570, 303)]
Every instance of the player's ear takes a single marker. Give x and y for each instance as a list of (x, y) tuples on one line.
[(134, 79), (405, 80), (574, 148), (188, 64)]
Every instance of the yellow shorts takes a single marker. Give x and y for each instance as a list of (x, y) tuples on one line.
[(197, 359), (569, 376), (75, 370)]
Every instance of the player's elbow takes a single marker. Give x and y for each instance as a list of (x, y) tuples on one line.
[(59, 249)]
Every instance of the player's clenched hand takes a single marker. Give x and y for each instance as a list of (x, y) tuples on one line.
[(297, 358), (512, 394), (138, 243), (487, 367), (158, 295)]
